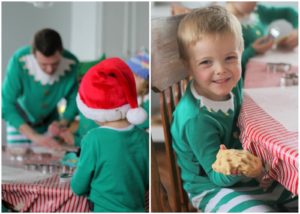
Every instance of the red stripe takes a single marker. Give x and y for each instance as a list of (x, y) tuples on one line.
[(22, 198), (66, 208), (44, 196), (14, 199), (58, 199), (265, 133)]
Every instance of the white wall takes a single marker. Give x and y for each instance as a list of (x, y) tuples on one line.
[(87, 28), (20, 20), (84, 30), (114, 28)]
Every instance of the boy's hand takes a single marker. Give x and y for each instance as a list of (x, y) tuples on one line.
[(289, 42), (237, 162), (233, 171), (222, 147), (264, 180), (263, 44)]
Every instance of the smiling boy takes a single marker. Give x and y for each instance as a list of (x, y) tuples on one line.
[(210, 45)]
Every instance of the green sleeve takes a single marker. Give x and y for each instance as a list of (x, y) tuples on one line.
[(270, 14), (205, 141), (248, 53), (11, 91), (83, 175), (71, 109)]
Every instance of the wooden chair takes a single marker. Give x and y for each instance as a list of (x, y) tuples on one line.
[(169, 78), (159, 197)]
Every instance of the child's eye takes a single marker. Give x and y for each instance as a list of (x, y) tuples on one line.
[(231, 58), (205, 62)]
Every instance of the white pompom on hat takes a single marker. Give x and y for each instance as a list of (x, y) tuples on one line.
[(107, 92)]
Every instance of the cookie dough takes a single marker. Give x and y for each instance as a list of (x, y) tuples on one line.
[(242, 161)]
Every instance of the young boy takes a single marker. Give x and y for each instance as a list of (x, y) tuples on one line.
[(113, 165), (139, 65), (211, 44)]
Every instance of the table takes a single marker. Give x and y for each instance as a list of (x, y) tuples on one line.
[(46, 195), (258, 73), (269, 129), (278, 56)]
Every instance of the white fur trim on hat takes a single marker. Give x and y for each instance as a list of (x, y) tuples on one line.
[(136, 116), (102, 115)]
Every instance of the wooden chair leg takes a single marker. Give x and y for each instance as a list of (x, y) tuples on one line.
[(159, 196)]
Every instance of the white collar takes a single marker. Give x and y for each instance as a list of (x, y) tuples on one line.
[(40, 76), (212, 105), (119, 129)]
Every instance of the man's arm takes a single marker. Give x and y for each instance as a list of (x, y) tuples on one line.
[(12, 89)]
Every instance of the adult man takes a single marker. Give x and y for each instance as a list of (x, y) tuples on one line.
[(37, 78)]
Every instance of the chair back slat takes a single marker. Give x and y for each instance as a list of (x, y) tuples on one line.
[(169, 103), (169, 99), (170, 158), (176, 93)]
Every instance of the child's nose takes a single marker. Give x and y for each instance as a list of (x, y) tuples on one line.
[(220, 69)]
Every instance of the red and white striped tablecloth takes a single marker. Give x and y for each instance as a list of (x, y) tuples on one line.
[(48, 195), (272, 142)]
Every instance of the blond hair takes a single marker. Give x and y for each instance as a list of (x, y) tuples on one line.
[(214, 20)]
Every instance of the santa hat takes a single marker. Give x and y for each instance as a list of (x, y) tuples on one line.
[(139, 64), (107, 92)]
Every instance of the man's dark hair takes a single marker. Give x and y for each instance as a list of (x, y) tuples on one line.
[(47, 41)]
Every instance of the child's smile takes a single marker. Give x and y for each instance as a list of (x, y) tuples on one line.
[(221, 80)]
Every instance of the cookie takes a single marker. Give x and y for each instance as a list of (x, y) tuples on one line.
[(242, 161)]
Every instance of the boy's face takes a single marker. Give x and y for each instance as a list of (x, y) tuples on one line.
[(214, 62), (139, 82)]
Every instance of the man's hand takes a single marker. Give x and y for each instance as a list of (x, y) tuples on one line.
[(56, 127), (67, 136), (45, 141)]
